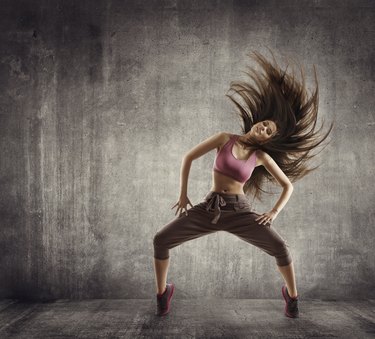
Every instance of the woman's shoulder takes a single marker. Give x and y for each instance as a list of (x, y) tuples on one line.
[(261, 154), (225, 137), (229, 135), (262, 157)]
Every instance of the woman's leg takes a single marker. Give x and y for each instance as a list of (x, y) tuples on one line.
[(161, 272), (289, 278), (243, 224), (181, 229)]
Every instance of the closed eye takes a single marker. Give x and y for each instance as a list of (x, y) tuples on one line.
[(269, 131)]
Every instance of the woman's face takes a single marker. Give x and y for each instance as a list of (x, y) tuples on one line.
[(263, 130)]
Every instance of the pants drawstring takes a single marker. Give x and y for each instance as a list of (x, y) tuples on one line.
[(214, 202)]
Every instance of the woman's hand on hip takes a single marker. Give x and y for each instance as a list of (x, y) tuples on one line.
[(267, 217), (182, 203)]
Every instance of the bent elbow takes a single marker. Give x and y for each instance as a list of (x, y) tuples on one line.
[(288, 187), (187, 158)]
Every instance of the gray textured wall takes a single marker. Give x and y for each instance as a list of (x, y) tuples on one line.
[(100, 100)]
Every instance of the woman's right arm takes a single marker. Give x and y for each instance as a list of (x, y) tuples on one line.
[(215, 141)]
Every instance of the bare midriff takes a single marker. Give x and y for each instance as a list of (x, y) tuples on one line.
[(224, 184)]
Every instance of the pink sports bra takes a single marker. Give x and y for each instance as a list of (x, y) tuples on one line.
[(227, 164)]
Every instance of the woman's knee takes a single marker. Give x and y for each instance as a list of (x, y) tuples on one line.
[(158, 239), (281, 253), (161, 251)]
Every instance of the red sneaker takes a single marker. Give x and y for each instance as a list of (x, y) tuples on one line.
[(164, 300), (291, 304)]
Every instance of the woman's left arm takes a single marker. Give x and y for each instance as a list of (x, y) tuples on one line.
[(272, 167)]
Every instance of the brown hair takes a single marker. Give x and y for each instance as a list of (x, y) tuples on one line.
[(280, 97)]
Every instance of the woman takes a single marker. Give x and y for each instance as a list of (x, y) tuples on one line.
[(278, 135)]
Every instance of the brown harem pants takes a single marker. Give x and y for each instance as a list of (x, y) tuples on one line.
[(221, 212)]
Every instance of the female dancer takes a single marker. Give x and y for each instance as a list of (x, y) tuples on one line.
[(278, 124)]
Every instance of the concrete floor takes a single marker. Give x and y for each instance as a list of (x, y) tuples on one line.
[(205, 318)]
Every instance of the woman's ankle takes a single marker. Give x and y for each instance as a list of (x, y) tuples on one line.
[(293, 295), (161, 293)]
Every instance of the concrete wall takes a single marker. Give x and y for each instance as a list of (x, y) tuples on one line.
[(100, 100)]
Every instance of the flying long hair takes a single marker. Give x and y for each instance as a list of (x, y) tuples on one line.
[(279, 96)]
